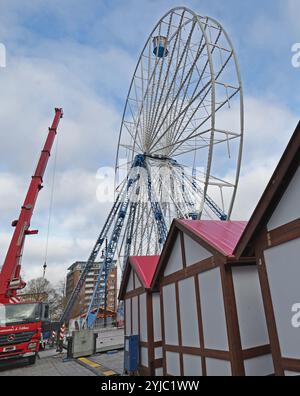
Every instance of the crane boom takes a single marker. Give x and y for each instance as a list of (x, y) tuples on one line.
[(10, 279)]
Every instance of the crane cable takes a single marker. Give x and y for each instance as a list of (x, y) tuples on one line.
[(50, 208)]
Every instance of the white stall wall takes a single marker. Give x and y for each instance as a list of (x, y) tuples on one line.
[(175, 261), (170, 315), (288, 208), (192, 365), (194, 252), (128, 316), (137, 281), (218, 368), (143, 318), (188, 313), (159, 372), (158, 353), (283, 268), (213, 312), (156, 317), (291, 374), (251, 314), (130, 282), (173, 363), (260, 366), (144, 357), (135, 316)]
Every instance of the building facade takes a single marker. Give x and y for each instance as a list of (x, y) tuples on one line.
[(74, 272)]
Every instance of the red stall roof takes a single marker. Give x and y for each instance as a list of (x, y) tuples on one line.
[(222, 235), (145, 267)]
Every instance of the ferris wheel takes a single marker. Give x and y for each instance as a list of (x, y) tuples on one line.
[(180, 144), (183, 121)]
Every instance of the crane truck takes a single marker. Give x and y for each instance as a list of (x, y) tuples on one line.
[(21, 323)]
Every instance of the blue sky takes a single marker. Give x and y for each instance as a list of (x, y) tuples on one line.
[(81, 55), (263, 33)]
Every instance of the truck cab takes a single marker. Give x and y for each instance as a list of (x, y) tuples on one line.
[(21, 328)]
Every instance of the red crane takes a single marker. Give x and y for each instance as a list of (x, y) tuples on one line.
[(10, 278)]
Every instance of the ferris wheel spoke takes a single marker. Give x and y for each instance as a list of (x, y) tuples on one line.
[(187, 81), (159, 114), (127, 126), (175, 127), (181, 87), (152, 83), (178, 128), (162, 63), (170, 59), (191, 135), (229, 136), (180, 42), (136, 124), (199, 81), (146, 95), (182, 113), (146, 102), (185, 109)]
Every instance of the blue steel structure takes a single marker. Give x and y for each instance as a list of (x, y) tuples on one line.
[(125, 204), (112, 231)]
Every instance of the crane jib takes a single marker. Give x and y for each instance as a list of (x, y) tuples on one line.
[(10, 279)]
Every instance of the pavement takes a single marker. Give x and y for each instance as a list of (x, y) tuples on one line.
[(105, 364), (53, 364)]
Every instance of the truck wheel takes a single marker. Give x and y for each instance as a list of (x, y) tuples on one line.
[(32, 360)]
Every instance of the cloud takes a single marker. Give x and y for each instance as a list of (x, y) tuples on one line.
[(291, 10), (62, 253), (269, 127)]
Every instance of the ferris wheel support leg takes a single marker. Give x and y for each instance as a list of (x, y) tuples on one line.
[(157, 211), (75, 294), (105, 270)]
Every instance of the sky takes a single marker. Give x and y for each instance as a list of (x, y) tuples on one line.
[(81, 55)]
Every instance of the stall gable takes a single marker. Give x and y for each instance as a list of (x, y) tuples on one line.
[(194, 252), (133, 282), (288, 209), (175, 261), (130, 285)]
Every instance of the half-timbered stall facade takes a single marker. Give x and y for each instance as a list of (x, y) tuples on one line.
[(142, 311), (213, 321), (273, 235)]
